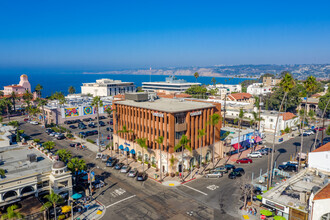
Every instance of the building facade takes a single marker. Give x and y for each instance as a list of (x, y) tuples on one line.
[(269, 81), (107, 87), (20, 88), (171, 84), (230, 88), (170, 118), (258, 89)]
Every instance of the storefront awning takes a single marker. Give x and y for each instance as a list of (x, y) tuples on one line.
[(121, 147), (126, 149), (245, 143), (258, 139), (236, 146), (132, 151)]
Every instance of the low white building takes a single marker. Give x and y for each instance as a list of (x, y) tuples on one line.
[(107, 87), (286, 119), (257, 89), (230, 88), (320, 158)]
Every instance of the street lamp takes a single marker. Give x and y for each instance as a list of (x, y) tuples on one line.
[(90, 182)]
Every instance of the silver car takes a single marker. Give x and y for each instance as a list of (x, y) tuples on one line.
[(125, 169), (132, 173), (216, 174)]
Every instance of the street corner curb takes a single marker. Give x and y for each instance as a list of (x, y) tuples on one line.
[(189, 180), (155, 180), (104, 208)]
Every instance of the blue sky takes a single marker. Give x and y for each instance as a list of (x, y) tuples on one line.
[(129, 34)]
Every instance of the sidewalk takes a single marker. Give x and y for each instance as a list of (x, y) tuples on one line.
[(95, 211)]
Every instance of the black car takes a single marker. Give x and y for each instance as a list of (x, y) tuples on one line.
[(48, 131), (241, 170), (110, 129), (76, 121), (68, 122), (234, 175), (72, 126), (288, 167), (230, 167), (91, 125), (102, 117), (86, 119), (60, 137), (95, 131), (72, 145), (89, 133), (141, 176), (111, 162), (118, 166), (102, 123), (82, 134)]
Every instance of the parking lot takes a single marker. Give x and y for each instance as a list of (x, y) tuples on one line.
[(90, 129)]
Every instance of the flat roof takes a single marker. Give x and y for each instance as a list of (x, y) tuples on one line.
[(15, 162), (168, 105)]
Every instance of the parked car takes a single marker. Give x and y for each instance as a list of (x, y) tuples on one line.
[(98, 184), (125, 169), (99, 156), (57, 134), (222, 169), (255, 154), (239, 169), (214, 174), (102, 117), (288, 167), (34, 122), (95, 132), (82, 134), (111, 162), (26, 119), (72, 126), (110, 129), (92, 125), (68, 122), (141, 176), (52, 134), (102, 123), (109, 137), (234, 175), (118, 166), (318, 129), (60, 137), (244, 160), (264, 151), (294, 128), (87, 119), (89, 133), (230, 167), (72, 145), (105, 158), (132, 173), (49, 131)]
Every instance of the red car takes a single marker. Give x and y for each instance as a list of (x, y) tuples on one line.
[(320, 129), (244, 160), (26, 119)]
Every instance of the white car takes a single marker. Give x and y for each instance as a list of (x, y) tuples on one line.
[(99, 156), (254, 155), (34, 122), (57, 134), (52, 134), (216, 174)]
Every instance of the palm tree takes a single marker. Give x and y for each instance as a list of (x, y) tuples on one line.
[(11, 214), (42, 103), (109, 112), (183, 144), (239, 121), (75, 165), (72, 90), (201, 134), (287, 84), (53, 200), (125, 131), (213, 121), (96, 103), (49, 145), (1, 119), (13, 98), (16, 125), (214, 81), (38, 89), (64, 155), (172, 161), (254, 121), (317, 131), (2, 173), (27, 97), (196, 75), (143, 145), (160, 141), (6, 103), (310, 86)]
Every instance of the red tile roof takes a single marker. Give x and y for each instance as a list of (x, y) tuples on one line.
[(323, 148), (239, 96), (171, 96), (14, 86), (323, 193), (288, 116)]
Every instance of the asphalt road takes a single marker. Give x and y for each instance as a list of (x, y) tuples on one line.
[(126, 198)]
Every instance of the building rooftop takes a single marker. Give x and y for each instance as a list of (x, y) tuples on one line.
[(234, 131), (106, 82), (76, 101), (323, 193), (16, 164), (238, 96), (295, 191), (173, 80), (288, 116), (325, 147), (168, 105)]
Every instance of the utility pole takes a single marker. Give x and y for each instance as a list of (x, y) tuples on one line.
[(259, 114), (323, 129), (224, 112)]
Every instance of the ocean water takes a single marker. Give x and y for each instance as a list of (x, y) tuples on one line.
[(53, 81)]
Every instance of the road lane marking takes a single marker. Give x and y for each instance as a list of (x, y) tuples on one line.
[(120, 201), (195, 190), (212, 187)]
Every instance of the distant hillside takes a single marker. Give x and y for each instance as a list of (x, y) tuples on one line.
[(300, 71)]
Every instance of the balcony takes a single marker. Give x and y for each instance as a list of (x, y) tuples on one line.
[(180, 127)]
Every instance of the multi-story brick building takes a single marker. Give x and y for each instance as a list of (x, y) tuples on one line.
[(170, 118)]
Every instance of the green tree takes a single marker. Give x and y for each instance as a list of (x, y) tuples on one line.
[(75, 165), (214, 121), (110, 111), (197, 91), (172, 161), (2, 173), (238, 120), (125, 131), (323, 103), (143, 145), (6, 104), (53, 200), (97, 103), (13, 98), (287, 84), (64, 155), (42, 103), (1, 119), (16, 125), (328, 130), (213, 81), (49, 145), (196, 75), (201, 134), (12, 214), (160, 141), (72, 90), (183, 144), (38, 89)]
